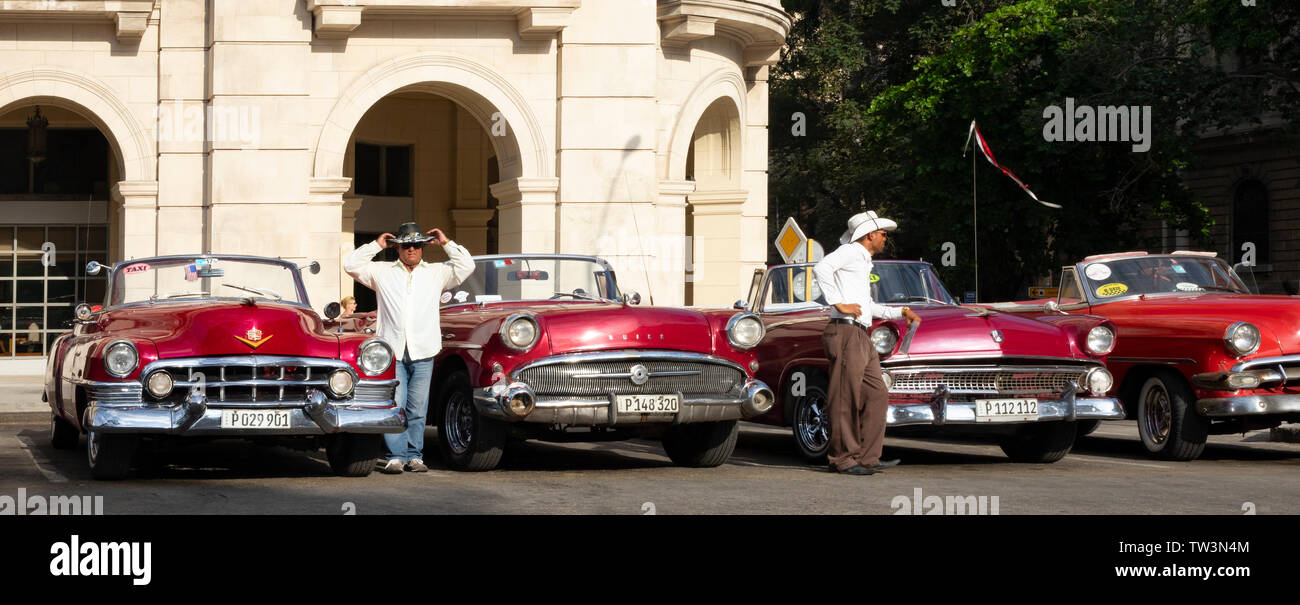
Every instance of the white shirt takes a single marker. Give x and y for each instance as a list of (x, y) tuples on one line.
[(409, 300), (845, 278)]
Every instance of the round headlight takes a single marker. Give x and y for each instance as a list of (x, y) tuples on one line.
[(520, 332), (120, 358), (744, 331), (883, 339), (341, 382), (1101, 340), (1242, 338), (160, 384), (1099, 381), (374, 357)]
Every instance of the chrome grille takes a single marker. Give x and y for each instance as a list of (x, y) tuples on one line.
[(371, 393), (247, 380), (598, 378), (124, 393), (985, 381)]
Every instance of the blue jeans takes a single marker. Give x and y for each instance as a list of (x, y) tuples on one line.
[(413, 380)]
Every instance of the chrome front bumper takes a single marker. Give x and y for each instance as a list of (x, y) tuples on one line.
[(952, 412), (494, 402), (317, 415), (1248, 405)]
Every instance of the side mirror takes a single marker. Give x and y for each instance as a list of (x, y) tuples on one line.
[(332, 310), (740, 304), (93, 268), (314, 267), (631, 298)]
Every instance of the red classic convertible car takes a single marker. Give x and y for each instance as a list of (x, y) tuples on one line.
[(966, 369), (1198, 354), (186, 347), (544, 346)]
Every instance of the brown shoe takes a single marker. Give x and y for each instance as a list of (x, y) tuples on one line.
[(857, 470), (416, 465)]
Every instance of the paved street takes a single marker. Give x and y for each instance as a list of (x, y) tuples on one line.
[(1107, 473)]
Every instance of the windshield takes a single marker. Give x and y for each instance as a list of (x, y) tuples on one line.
[(1158, 275), (910, 283), (524, 278), (190, 278)]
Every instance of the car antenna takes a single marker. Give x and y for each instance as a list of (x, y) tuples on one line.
[(637, 225)]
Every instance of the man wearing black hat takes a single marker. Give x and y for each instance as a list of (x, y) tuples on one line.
[(408, 292), (857, 393)]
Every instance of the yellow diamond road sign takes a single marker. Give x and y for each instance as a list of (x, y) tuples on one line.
[(789, 240)]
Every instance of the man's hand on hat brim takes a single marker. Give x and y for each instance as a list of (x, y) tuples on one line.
[(383, 241), (438, 236)]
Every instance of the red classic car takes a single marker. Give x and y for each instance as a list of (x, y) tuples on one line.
[(967, 369), (216, 346), (544, 346), (1198, 354)]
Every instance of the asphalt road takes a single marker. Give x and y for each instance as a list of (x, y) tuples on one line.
[(1107, 473)]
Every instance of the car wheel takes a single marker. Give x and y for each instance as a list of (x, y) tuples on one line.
[(1086, 427), (352, 454), (110, 455), (1040, 443), (811, 422), (63, 436), (468, 440), (701, 444), (1167, 420)]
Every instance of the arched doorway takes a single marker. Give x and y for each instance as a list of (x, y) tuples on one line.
[(419, 156), (527, 187), (56, 172), (713, 164)]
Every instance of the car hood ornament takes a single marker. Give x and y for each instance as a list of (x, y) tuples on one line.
[(254, 338)]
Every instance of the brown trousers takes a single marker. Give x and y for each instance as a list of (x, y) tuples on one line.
[(858, 397)]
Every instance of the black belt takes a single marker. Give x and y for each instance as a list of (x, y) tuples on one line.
[(845, 320)]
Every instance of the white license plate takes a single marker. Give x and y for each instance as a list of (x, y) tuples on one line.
[(255, 419), (1005, 410), (648, 404)]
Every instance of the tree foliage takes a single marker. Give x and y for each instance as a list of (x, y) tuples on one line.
[(889, 88)]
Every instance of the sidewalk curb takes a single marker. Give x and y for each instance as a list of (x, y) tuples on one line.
[(25, 417)]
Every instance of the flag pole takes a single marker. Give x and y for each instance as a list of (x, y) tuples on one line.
[(976, 232)]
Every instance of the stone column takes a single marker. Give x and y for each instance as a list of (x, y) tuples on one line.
[(260, 163), (527, 214), (326, 209), (719, 239), (137, 207), (754, 244), (676, 259), (136, 203), (470, 228), (182, 120), (607, 138)]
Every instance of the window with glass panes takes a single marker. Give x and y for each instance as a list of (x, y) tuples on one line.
[(37, 298)]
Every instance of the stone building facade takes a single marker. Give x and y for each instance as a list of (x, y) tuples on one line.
[(1250, 181), (631, 129)]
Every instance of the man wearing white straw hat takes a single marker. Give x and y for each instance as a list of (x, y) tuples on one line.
[(858, 396)]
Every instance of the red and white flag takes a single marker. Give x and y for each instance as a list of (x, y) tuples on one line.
[(988, 155)]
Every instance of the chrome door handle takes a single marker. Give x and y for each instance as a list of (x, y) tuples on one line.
[(448, 336)]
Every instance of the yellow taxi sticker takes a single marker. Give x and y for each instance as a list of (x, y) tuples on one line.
[(874, 278), (1112, 289)]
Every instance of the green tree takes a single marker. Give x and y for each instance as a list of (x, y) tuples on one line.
[(886, 125)]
